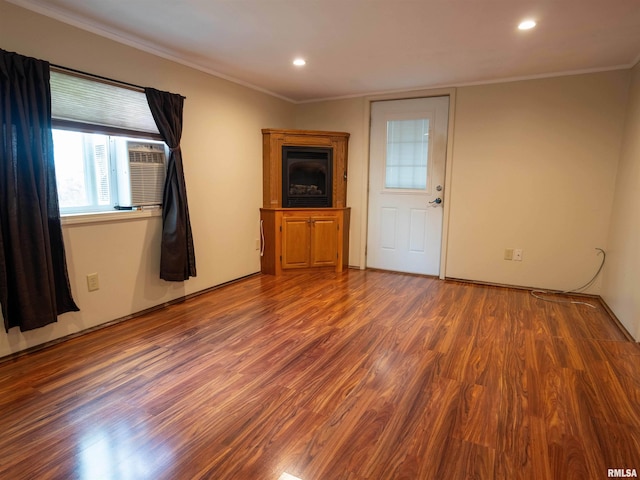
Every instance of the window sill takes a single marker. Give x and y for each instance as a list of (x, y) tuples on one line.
[(104, 217)]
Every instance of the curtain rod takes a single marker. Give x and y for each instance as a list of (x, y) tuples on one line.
[(100, 77)]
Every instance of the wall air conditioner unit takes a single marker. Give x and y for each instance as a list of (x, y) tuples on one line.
[(141, 169)]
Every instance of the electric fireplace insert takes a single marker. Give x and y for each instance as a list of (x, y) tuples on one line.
[(306, 176)]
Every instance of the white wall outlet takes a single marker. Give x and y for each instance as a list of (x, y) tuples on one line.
[(517, 254), (93, 283), (508, 253)]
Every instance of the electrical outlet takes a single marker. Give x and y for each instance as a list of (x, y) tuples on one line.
[(517, 254), (93, 283), (257, 244), (508, 253)]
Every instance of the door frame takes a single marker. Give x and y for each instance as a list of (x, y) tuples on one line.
[(451, 93)]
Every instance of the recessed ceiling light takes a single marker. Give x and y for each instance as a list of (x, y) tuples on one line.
[(527, 24), (299, 62)]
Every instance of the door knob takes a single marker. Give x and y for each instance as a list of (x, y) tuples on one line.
[(437, 201)]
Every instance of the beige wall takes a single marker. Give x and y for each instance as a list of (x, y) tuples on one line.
[(534, 165), (345, 116), (621, 282), (222, 148)]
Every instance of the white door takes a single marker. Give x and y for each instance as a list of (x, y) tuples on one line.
[(406, 184)]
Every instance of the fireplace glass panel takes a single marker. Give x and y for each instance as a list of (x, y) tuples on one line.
[(306, 177)]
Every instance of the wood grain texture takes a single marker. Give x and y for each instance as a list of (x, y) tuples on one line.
[(359, 375), (272, 142)]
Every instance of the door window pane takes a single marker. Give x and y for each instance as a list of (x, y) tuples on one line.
[(407, 154)]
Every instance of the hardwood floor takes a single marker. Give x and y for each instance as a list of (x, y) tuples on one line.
[(324, 376)]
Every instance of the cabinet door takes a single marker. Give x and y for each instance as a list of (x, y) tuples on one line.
[(324, 241), (295, 242)]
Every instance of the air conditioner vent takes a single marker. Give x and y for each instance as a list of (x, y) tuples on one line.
[(147, 183), (146, 156), (142, 165)]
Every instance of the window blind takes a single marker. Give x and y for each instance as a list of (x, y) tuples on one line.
[(86, 101)]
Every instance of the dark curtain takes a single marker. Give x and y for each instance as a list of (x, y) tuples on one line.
[(177, 257), (34, 285)]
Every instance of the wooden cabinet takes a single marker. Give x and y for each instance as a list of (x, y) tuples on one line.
[(272, 142), (304, 238), (309, 241), (325, 235), (298, 238)]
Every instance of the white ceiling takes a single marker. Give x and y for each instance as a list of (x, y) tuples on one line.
[(356, 47)]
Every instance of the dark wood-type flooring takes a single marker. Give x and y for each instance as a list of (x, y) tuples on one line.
[(324, 376)]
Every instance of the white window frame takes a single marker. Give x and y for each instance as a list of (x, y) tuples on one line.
[(90, 180)]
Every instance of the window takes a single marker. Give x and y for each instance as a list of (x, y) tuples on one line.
[(407, 154), (82, 171), (107, 148)]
